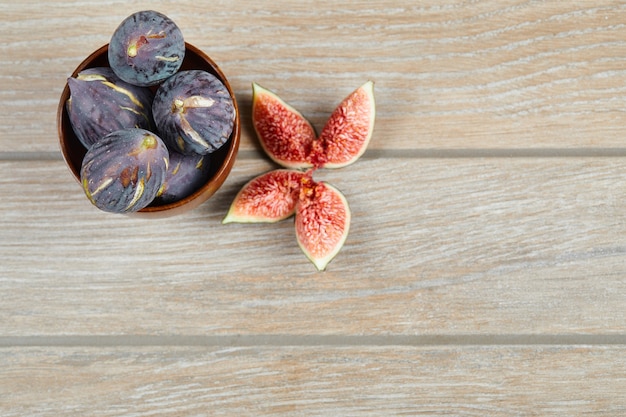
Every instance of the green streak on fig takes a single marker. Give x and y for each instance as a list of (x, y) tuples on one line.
[(131, 96), (198, 102), (84, 76), (168, 58), (138, 194)]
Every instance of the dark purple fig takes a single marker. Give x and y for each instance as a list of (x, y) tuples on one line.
[(101, 103), (123, 172), (146, 48), (186, 173), (194, 112)]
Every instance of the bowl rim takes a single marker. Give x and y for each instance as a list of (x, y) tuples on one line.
[(197, 197)]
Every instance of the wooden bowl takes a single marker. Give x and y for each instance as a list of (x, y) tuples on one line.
[(221, 161)]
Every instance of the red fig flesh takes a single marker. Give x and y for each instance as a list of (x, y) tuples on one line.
[(285, 135), (290, 140), (349, 129), (322, 222), (267, 198)]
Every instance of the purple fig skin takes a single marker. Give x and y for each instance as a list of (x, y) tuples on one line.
[(101, 103), (194, 112), (185, 175), (124, 171), (146, 48)]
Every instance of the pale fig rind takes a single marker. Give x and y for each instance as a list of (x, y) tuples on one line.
[(322, 221), (146, 48), (101, 103), (268, 198), (123, 172), (285, 134), (348, 130), (194, 112), (185, 175)]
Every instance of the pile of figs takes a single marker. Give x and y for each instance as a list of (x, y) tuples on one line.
[(149, 127)]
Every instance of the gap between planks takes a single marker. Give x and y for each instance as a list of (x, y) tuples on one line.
[(432, 153), (314, 340)]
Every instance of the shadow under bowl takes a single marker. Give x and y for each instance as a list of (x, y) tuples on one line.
[(221, 161)]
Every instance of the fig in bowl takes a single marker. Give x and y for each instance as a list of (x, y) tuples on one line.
[(101, 103), (146, 48), (124, 171), (216, 164), (194, 112)]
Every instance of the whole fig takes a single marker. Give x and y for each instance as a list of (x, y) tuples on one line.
[(124, 171), (146, 48), (101, 103), (186, 173), (194, 112)]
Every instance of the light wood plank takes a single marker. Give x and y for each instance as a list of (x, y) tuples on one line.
[(452, 246), (491, 74), (484, 271), (305, 381)]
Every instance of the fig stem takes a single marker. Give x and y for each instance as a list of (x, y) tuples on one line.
[(132, 50), (178, 106), (149, 142)]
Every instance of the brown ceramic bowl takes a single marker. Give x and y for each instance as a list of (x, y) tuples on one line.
[(221, 161)]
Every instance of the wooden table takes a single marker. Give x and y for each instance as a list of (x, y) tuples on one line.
[(484, 273)]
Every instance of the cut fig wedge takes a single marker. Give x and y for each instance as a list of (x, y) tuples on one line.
[(322, 221), (322, 214), (268, 198), (349, 129), (290, 140), (285, 135)]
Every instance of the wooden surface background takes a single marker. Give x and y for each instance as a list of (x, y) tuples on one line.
[(485, 270)]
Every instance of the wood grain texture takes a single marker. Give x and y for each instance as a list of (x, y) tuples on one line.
[(497, 74), (484, 273), (301, 381), (473, 245)]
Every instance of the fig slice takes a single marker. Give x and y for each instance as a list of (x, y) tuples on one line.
[(322, 214), (268, 198), (285, 135), (322, 221), (290, 140), (348, 130)]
